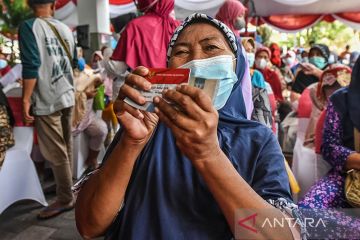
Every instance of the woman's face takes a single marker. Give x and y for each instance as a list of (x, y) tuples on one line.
[(315, 53), (263, 55), (198, 41)]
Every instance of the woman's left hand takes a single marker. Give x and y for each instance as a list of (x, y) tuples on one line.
[(194, 124)]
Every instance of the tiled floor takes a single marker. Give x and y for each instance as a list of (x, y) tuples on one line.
[(19, 222)]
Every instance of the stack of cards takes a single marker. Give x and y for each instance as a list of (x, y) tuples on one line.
[(161, 79), (164, 78)]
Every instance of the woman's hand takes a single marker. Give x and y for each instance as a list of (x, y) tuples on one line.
[(310, 69), (91, 93), (138, 125), (194, 124)]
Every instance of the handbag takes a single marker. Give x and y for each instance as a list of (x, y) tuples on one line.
[(99, 99), (352, 181)]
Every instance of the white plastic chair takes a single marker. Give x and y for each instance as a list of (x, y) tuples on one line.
[(304, 161), (18, 176), (81, 151)]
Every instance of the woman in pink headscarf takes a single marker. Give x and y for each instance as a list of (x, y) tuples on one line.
[(144, 40), (232, 13)]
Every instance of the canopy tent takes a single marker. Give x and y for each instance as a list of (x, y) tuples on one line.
[(283, 15)]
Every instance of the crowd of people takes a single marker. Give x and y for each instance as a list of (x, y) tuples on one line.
[(193, 162)]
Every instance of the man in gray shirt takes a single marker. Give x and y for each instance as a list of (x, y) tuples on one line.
[(47, 54)]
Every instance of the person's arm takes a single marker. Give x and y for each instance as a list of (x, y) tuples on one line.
[(101, 196), (332, 147), (196, 126), (30, 59)]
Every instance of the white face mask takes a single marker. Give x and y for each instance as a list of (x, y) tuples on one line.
[(261, 63)]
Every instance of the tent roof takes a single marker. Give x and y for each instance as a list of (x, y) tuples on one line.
[(266, 8)]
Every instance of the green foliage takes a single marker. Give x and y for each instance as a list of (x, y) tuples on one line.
[(12, 13), (335, 35)]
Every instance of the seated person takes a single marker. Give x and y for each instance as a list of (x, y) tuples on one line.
[(310, 73), (338, 147), (92, 125), (183, 172)]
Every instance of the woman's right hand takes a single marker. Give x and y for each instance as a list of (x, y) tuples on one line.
[(138, 125)]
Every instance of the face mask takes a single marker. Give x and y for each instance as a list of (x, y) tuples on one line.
[(251, 59), (3, 63), (239, 23), (288, 61), (216, 68), (261, 63), (81, 64), (319, 62)]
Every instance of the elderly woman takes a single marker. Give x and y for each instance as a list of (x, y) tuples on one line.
[(184, 172)]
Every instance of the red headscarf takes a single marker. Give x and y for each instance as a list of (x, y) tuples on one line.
[(271, 76), (144, 40), (275, 54), (229, 11)]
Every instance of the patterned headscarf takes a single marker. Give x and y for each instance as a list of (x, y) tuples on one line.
[(241, 64), (199, 17)]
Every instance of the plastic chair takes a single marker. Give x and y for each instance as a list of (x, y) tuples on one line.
[(18, 176)]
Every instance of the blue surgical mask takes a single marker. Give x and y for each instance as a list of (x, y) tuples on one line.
[(319, 62), (219, 69), (251, 59), (3, 63)]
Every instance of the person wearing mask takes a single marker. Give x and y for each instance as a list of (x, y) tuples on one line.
[(232, 13), (193, 183), (262, 58), (338, 149), (48, 87), (310, 72), (262, 108)]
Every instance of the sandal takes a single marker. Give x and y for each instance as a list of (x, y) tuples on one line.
[(51, 212)]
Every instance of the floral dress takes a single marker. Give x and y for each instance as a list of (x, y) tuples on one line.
[(328, 192), (326, 198)]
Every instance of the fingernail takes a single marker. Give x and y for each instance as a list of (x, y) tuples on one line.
[(178, 87), (164, 91), (156, 110), (141, 116), (156, 99), (148, 86)]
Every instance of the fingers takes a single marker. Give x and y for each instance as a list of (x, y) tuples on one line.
[(198, 96), (185, 102), (136, 79), (120, 107), (132, 93), (170, 115), (133, 83)]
